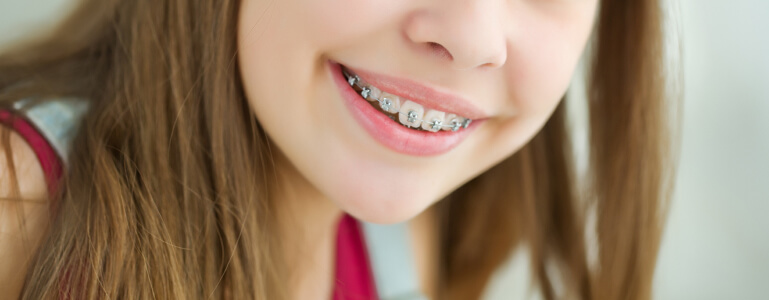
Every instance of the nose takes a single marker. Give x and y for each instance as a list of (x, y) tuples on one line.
[(467, 33)]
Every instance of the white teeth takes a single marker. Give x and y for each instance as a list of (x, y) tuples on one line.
[(433, 120), (389, 102), (447, 121), (374, 94), (411, 114), (453, 122)]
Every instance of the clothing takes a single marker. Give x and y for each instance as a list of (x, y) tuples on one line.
[(45, 154), (353, 279), (353, 273)]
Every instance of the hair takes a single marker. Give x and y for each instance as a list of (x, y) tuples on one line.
[(167, 191)]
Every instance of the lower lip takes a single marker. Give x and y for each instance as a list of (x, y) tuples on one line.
[(391, 134)]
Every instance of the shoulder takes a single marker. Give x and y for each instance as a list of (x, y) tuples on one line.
[(35, 140), (23, 219)]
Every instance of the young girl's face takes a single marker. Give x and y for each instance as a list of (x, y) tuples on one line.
[(504, 64)]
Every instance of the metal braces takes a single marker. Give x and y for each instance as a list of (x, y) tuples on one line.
[(411, 116)]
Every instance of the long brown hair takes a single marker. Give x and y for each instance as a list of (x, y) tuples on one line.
[(167, 191)]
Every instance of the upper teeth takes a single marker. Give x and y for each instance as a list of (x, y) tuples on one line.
[(410, 114)]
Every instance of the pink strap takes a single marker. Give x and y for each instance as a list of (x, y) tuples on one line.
[(354, 279), (48, 158)]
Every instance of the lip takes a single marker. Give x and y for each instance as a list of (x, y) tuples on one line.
[(428, 97), (394, 135)]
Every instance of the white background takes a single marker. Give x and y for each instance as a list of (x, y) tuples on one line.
[(717, 241)]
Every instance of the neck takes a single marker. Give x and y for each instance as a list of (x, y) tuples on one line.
[(307, 226)]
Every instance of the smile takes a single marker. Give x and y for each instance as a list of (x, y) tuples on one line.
[(410, 114), (433, 123)]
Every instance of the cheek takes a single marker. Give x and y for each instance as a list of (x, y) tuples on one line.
[(543, 71), (543, 59), (538, 73)]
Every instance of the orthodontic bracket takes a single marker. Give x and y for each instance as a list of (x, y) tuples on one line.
[(436, 124), (455, 125), (386, 103), (352, 80), (412, 116)]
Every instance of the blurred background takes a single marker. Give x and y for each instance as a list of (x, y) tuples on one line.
[(716, 245)]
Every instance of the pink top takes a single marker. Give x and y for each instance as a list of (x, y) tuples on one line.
[(354, 279), (353, 272)]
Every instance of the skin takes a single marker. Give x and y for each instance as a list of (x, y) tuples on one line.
[(22, 220), (514, 59)]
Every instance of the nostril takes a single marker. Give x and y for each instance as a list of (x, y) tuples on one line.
[(440, 51)]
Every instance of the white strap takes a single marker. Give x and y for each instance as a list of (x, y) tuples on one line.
[(57, 120)]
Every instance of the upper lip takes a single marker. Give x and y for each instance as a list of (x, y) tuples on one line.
[(428, 96)]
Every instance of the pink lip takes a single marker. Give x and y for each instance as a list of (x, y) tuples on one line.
[(393, 135), (428, 97)]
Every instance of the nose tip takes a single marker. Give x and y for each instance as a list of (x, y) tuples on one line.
[(466, 36)]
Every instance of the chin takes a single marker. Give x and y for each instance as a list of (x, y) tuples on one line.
[(371, 203), (384, 210)]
